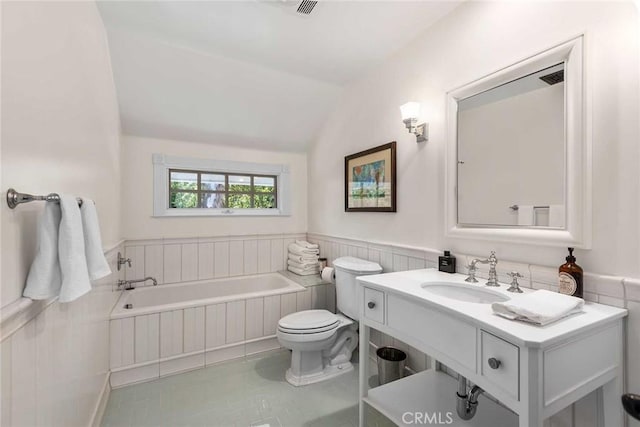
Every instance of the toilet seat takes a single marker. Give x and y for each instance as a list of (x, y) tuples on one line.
[(310, 331), (309, 322)]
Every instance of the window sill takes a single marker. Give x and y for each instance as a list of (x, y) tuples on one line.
[(177, 213)]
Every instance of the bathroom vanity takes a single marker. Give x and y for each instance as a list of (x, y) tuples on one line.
[(533, 371)]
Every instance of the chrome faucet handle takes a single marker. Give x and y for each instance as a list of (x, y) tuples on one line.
[(122, 261), (472, 273), (515, 286)]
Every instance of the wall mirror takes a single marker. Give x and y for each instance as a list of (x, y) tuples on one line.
[(518, 157)]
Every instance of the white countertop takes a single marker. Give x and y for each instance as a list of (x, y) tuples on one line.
[(408, 284)]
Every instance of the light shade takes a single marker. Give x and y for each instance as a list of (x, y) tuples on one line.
[(410, 110)]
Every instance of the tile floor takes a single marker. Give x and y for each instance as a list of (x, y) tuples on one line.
[(246, 392)]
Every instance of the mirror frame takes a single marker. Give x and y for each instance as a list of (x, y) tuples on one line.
[(577, 188)]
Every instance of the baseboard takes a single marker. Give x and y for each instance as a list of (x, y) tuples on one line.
[(101, 406)]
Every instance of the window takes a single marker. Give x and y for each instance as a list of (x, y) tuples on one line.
[(200, 187), (215, 190)]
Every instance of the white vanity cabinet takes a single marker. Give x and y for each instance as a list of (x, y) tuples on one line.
[(533, 371)]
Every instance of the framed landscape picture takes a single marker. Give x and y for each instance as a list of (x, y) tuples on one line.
[(370, 180)]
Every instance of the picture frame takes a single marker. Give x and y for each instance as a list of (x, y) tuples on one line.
[(370, 180)]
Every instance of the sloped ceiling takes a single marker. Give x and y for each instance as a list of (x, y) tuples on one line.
[(248, 73)]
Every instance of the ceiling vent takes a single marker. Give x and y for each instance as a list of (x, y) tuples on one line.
[(306, 7), (553, 78)]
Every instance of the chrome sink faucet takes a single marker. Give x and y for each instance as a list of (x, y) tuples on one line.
[(493, 276), (127, 285)]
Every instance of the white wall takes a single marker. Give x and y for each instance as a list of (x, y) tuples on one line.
[(60, 133), (474, 40), (137, 192), (60, 126)]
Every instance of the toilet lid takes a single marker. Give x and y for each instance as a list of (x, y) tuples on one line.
[(309, 320), (357, 265)]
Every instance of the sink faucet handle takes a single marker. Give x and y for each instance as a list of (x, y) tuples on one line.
[(515, 286), (472, 273)]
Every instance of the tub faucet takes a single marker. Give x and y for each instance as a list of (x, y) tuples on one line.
[(493, 276), (127, 285)]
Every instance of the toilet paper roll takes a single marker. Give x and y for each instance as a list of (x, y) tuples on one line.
[(328, 275)]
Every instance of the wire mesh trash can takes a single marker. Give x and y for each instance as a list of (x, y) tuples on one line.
[(390, 364)]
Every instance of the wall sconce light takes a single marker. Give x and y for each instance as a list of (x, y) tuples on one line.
[(410, 112)]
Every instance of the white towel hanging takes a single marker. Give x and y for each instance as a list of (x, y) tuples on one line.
[(96, 262), (44, 277), (525, 215), (73, 262)]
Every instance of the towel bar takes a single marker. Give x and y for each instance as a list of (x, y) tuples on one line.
[(516, 207), (14, 198)]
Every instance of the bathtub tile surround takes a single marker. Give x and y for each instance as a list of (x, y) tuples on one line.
[(148, 346), (182, 260)]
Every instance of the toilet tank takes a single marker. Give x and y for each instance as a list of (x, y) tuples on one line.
[(347, 269)]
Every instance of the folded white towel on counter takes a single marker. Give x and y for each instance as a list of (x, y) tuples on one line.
[(96, 262), (73, 261), (304, 266), (299, 250), (303, 258), (307, 245), (540, 307), (44, 277), (300, 272)]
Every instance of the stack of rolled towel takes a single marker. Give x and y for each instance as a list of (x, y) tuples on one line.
[(303, 258)]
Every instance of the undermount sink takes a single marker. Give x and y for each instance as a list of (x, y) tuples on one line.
[(466, 293)]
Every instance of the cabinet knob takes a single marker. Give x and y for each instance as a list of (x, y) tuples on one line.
[(494, 363), (371, 304)]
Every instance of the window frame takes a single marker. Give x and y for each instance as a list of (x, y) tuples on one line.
[(162, 164)]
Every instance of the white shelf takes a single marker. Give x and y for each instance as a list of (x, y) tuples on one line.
[(430, 392)]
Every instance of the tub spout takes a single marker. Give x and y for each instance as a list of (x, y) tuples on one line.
[(129, 284)]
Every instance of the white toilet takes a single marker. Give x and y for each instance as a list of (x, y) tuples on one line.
[(322, 342)]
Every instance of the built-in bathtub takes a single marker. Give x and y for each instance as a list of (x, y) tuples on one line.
[(162, 298), (179, 327)]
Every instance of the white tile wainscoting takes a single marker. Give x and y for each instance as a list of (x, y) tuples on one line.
[(155, 345), (201, 258), (604, 289), (55, 358)]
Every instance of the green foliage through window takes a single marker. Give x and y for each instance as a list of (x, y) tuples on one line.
[(217, 190)]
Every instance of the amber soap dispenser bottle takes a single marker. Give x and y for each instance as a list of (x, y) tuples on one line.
[(570, 277)]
